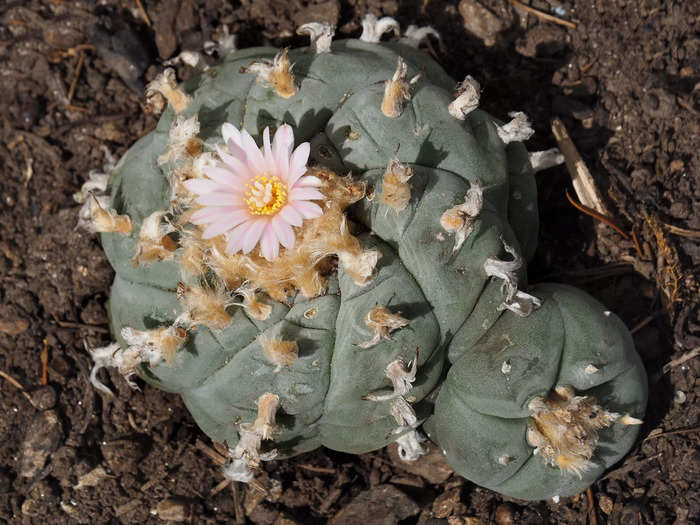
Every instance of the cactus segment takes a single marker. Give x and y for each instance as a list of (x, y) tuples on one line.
[(501, 397)]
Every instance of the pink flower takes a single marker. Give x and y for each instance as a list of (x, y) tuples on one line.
[(256, 195)]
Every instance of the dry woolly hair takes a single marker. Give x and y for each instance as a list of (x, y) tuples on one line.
[(382, 322), (163, 88), (278, 74), (154, 243), (564, 429), (302, 268), (96, 219), (396, 190), (264, 425), (279, 352), (205, 305), (163, 341), (397, 90)]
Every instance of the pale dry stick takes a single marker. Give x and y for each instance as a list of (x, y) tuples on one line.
[(221, 486), (630, 466), (76, 76), (237, 504), (683, 232), (581, 177), (542, 15), (641, 324), (210, 452), (680, 431), (71, 324), (682, 359), (15, 383), (318, 470)]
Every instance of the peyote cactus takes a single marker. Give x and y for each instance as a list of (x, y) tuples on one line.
[(345, 292)]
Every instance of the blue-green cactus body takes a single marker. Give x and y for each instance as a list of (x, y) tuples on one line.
[(450, 302), (481, 414)]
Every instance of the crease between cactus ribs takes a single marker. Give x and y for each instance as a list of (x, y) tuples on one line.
[(457, 290)]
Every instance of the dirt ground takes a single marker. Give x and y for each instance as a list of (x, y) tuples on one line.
[(625, 80)]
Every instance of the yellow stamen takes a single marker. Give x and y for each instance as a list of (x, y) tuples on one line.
[(265, 195)]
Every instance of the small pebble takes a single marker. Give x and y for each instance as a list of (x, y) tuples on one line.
[(43, 397), (173, 509), (605, 504), (503, 514), (42, 438)]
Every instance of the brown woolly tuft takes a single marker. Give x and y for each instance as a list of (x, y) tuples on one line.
[(264, 425), (255, 309), (154, 242), (397, 91), (279, 352), (98, 219), (163, 88), (564, 429), (162, 342), (205, 306), (396, 191), (278, 74), (381, 322), (281, 77), (192, 253)]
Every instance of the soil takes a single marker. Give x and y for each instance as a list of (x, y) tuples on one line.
[(626, 83)]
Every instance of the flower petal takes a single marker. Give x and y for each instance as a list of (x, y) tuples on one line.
[(221, 199), (202, 186), (284, 231), (305, 194), (308, 210), (223, 174), (212, 214), (297, 162), (269, 244), (225, 223), (291, 215), (254, 158), (235, 238), (234, 163), (252, 236), (309, 180), (282, 146), (230, 133), (267, 152)]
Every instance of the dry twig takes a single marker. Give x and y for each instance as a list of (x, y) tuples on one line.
[(592, 518), (636, 328), (237, 504), (44, 362), (581, 177), (210, 452), (318, 470), (602, 218), (673, 433), (144, 15), (682, 359), (683, 232), (15, 383), (542, 15), (76, 75)]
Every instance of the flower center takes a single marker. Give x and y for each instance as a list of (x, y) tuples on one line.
[(265, 195)]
